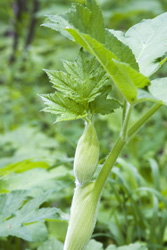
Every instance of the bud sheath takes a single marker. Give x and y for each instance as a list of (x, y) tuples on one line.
[(82, 218), (87, 155)]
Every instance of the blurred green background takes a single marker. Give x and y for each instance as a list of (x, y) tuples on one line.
[(36, 155)]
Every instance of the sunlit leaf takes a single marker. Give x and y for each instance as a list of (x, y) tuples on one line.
[(158, 89), (66, 108), (83, 80), (105, 53), (147, 40)]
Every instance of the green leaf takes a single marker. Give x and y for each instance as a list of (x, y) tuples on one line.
[(89, 75), (38, 230), (120, 50), (102, 105), (81, 17), (93, 244), (14, 216), (51, 244), (155, 173), (158, 89), (147, 40), (83, 80), (15, 198), (22, 166), (37, 179), (135, 246), (128, 80), (143, 95), (78, 19), (58, 23), (63, 106), (153, 192)]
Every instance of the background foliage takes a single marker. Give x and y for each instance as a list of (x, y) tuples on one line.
[(36, 156)]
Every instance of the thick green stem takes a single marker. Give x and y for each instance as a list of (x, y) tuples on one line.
[(83, 217), (101, 179), (86, 197)]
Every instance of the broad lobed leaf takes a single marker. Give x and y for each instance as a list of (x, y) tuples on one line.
[(118, 73), (158, 89), (121, 50), (81, 17), (14, 216), (147, 40), (84, 28), (83, 80), (63, 106), (102, 105), (113, 50)]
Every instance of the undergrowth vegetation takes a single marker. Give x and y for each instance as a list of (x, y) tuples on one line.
[(36, 155)]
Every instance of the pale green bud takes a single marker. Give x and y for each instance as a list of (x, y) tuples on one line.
[(82, 218), (86, 155)]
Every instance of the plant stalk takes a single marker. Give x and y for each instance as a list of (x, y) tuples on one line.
[(134, 128), (86, 197), (105, 171), (124, 137)]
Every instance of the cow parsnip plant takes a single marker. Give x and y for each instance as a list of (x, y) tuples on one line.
[(107, 58)]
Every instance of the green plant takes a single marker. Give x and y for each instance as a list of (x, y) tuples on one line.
[(115, 72), (87, 155)]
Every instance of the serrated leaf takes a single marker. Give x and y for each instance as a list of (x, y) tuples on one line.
[(97, 22), (105, 56), (58, 23), (126, 78), (89, 75), (81, 17), (83, 80), (148, 41), (104, 106), (94, 47), (66, 108), (14, 221), (158, 89), (79, 30), (121, 50)]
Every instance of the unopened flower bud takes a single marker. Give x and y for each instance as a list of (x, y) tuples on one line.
[(87, 155)]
